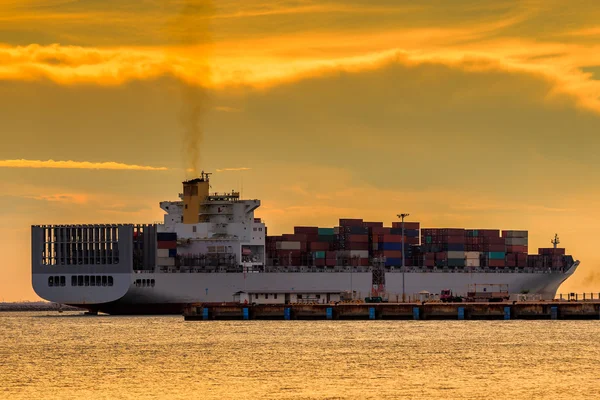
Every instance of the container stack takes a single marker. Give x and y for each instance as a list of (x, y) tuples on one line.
[(490, 246), (166, 249), (552, 258), (353, 242), (447, 244), (516, 243)]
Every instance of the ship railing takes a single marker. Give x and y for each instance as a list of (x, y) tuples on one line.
[(586, 296)]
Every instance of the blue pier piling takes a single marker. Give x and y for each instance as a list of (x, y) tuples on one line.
[(461, 313), (287, 314), (506, 312), (329, 313), (371, 312), (416, 313), (205, 313), (246, 314), (554, 312)]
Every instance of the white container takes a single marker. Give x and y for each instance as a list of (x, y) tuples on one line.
[(517, 234), (472, 262), (473, 255), (359, 253), (288, 245), (456, 254), (162, 253), (165, 261)]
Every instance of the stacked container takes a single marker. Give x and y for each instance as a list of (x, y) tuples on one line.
[(166, 249), (448, 245)]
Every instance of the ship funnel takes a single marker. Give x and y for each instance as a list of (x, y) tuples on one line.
[(195, 192)]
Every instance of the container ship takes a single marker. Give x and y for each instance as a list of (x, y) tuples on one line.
[(210, 248)]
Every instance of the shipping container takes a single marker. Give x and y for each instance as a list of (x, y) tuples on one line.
[(497, 255), (172, 252), (392, 253), (455, 262), (515, 234), (380, 231), (496, 263), (166, 236), (325, 232), (320, 262), (347, 222), (165, 261), (407, 225), (166, 245), (319, 246), (472, 262), (472, 255), (373, 224), (358, 238), (162, 253), (289, 246), (516, 249), (326, 238), (551, 251), (456, 255), (331, 255), (319, 254), (307, 230), (516, 241), (294, 238)]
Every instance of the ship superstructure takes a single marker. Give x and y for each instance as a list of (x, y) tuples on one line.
[(211, 247)]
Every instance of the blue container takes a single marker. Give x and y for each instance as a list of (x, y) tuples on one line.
[(329, 313), (455, 247), (371, 312), (413, 233), (246, 314), (416, 313), (393, 262), (461, 313), (166, 236), (497, 255), (506, 312), (172, 253), (205, 313), (391, 246), (456, 262), (287, 314)]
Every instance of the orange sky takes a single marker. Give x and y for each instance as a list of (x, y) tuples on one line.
[(465, 114)]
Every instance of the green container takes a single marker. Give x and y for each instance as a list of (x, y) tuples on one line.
[(475, 233), (497, 255), (326, 231), (319, 254), (456, 262), (428, 239), (327, 238)]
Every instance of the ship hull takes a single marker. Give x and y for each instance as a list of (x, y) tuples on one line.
[(172, 292)]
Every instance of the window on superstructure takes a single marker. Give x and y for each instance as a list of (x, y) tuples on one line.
[(63, 281), (266, 295), (110, 281), (275, 296), (87, 280), (79, 280), (93, 281), (256, 296), (194, 229), (73, 280), (152, 282), (50, 281), (104, 281)]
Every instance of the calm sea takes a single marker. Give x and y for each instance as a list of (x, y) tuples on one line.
[(71, 356)]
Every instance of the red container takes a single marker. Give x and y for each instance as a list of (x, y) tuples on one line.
[(163, 245), (494, 247), (392, 253), (392, 238), (429, 263), (380, 231), (307, 230), (552, 251), (496, 263), (373, 224), (331, 255), (429, 256), (455, 239), (516, 249), (319, 262), (355, 246), (489, 233), (351, 222), (358, 238), (511, 263), (407, 225), (330, 262), (364, 262), (294, 238), (319, 246), (442, 255)]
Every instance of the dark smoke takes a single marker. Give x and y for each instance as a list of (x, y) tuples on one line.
[(191, 28)]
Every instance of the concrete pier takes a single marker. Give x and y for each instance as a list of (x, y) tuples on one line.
[(550, 310)]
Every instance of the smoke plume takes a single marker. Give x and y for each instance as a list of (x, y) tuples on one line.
[(190, 30)]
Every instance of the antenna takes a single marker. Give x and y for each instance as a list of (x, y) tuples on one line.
[(555, 241)]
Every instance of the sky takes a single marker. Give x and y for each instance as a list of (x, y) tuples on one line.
[(469, 113)]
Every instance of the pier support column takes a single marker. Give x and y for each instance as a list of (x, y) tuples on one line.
[(246, 314), (554, 312), (371, 312), (329, 313), (506, 312), (461, 313), (416, 313)]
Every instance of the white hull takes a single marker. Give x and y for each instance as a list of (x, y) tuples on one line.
[(172, 290)]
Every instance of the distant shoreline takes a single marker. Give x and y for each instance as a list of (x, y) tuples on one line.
[(7, 307)]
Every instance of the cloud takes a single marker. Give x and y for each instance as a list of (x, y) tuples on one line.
[(233, 169), (72, 198), (76, 165)]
